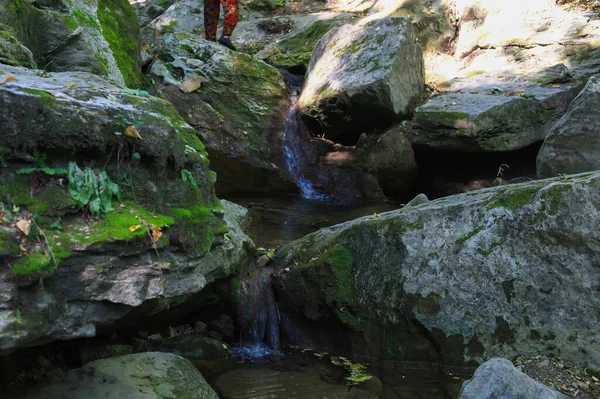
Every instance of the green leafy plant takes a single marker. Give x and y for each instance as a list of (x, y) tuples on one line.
[(40, 161), (186, 176), (56, 225), (92, 191), (125, 122)]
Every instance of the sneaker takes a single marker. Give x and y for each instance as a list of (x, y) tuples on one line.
[(225, 41)]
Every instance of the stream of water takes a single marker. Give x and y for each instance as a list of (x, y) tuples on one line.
[(258, 315), (293, 146), (261, 368)]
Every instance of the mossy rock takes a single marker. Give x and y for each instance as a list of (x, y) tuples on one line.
[(12, 51), (100, 36), (297, 48), (240, 127), (120, 28), (150, 171), (8, 244), (150, 375), (51, 201)]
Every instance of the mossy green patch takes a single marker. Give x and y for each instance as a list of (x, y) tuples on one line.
[(42, 261), (120, 28), (36, 263), (340, 261), (85, 20), (515, 198), (117, 225), (492, 247), (552, 198), (297, 50), (8, 244), (52, 200), (197, 226), (37, 92)]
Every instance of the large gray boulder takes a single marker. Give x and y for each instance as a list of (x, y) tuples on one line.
[(499, 379), (150, 375), (97, 36), (363, 77), (238, 111), (91, 270), (573, 143), (495, 63), (489, 121), (496, 272)]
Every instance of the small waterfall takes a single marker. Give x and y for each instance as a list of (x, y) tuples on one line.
[(258, 314), (293, 149)]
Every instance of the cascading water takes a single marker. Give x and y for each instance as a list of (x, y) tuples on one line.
[(293, 149), (258, 314)]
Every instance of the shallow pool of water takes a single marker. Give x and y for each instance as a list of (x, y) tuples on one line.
[(277, 221), (304, 375)]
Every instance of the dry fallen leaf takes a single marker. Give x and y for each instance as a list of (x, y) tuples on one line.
[(132, 132), (1, 216), (135, 227), (24, 226), (191, 84), (156, 234), (8, 80)]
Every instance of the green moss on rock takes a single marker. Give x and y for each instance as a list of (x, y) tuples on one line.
[(515, 198), (116, 225), (297, 49), (120, 28), (8, 244), (340, 261), (36, 263), (51, 201), (196, 227)]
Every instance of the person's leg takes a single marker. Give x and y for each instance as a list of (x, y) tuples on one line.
[(212, 9), (231, 14)]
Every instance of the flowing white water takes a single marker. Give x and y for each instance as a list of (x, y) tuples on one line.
[(292, 151), (258, 310)]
